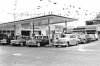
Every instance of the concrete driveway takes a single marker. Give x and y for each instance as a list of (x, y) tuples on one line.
[(81, 55)]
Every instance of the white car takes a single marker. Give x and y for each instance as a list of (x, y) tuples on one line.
[(66, 40), (93, 37)]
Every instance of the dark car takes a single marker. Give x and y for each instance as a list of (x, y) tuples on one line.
[(5, 40), (38, 41), (43, 40), (19, 41)]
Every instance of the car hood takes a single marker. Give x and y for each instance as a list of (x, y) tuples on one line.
[(14, 41), (63, 39), (31, 41), (3, 40)]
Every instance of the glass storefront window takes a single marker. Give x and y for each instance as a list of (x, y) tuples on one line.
[(12, 31), (4, 31), (8, 31)]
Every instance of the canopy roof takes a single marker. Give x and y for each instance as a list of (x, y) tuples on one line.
[(87, 27), (42, 20)]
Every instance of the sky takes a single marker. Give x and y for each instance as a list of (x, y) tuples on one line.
[(80, 9)]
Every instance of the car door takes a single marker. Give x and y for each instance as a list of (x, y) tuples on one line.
[(72, 40)]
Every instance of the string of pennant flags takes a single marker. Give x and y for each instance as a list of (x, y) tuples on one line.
[(67, 10)]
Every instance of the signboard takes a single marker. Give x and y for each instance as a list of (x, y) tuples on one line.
[(26, 26), (58, 28)]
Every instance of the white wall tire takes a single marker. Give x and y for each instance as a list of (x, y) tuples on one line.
[(84, 41), (21, 44), (38, 44), (77, 43), (66, 44)]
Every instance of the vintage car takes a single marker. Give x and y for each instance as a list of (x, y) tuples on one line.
[(44, 42), (33, 42), (93, 37), (66, 40), (38, 41), (19, 41), (97, 37), (5, 40), (84, 38), (88, 38)]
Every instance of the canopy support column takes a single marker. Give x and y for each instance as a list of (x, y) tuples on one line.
[(49, 31), (33, 30), (66, 25), (14, 31)]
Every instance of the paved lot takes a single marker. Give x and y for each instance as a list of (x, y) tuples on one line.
[(81, 55)]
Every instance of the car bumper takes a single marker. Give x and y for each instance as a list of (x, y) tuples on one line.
[(14, 43), (31, 44), (3, 42), (60, 44)]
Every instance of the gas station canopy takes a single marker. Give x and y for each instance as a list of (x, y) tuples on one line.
[(41, 20)]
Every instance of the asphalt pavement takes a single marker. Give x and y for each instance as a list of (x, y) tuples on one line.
[(80, 55)]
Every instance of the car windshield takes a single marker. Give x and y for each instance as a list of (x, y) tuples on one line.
[(63, 36)]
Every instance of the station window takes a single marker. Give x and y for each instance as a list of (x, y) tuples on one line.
[(89, 23), (8, 31), (4, 31), (0, 31), (12, 31)]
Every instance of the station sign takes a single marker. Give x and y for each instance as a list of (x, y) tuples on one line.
[(58, 28)]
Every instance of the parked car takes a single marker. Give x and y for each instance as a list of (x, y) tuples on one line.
[(88, 38), (66, 40), (38, 41), (5, 40), (78, 38), (44, 41), (19, 41), (93, 37), (97, 37), (85, 38), (33, 42)]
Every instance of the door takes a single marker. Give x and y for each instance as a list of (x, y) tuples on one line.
[(72, 40), (25, 33)]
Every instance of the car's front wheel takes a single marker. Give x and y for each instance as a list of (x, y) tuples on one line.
[(21, 44), (77, 42), (84, 41), (66, 44), (38, 44)]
